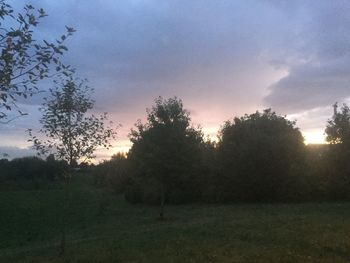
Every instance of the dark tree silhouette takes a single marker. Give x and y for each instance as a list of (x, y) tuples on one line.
[(338, 135), (261, 157), (164, 153)]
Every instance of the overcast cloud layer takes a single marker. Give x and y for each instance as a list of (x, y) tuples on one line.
[(223, 58)]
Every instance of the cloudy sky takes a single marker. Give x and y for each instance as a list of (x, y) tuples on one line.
[(222, 58)]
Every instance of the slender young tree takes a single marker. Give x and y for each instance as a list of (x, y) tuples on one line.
[(69, 132), (24, 60)]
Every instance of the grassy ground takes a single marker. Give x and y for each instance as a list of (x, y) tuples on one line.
[(103, 228)]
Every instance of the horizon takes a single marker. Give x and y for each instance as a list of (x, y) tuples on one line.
[(125, 145)]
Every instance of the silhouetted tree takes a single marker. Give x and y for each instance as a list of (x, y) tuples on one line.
[(338, 135), (261, 156), (24, 60), (165, 153)]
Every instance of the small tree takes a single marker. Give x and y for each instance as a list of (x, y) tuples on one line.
[(23, 60), (164, 153), (68, 131)]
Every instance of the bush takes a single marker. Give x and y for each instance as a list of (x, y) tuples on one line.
[(112, 173), (262, 157), (30, 172)]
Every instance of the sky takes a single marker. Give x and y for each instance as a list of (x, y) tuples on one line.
[(222, 58)]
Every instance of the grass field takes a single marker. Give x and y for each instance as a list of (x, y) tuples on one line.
[(104, 228)]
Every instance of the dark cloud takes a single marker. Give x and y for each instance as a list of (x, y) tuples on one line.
[(140, 49)]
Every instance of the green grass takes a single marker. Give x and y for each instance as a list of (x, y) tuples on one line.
[(104, 228)]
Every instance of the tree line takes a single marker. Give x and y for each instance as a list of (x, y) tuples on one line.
[(259, 157), (28, 173)]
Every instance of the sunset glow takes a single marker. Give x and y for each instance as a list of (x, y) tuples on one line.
[(314, 137)]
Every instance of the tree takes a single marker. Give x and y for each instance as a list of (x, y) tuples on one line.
[(338, 135), (69, 132), (24, 60), (261, 156), (164, 153)]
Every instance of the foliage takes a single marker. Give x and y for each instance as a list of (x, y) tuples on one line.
[(24, 60), (338, 128), (68, 131), (29, 173), (262, 156), (338, 135), (209, 171), (113, 173), (316, 178), (165, 154)]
